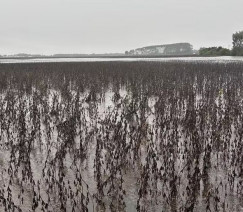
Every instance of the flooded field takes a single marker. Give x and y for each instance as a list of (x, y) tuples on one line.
[(221, 59), (121, 136)]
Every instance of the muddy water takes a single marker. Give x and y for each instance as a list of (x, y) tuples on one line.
[(115, 151), (223, 59), (38, 156)]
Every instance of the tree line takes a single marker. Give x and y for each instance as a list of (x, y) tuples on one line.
[(237, 49)]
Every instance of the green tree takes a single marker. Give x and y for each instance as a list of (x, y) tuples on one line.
[(214, 51), (237, 44)]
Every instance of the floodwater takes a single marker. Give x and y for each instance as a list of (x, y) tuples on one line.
[(45, 60), (168, 140)]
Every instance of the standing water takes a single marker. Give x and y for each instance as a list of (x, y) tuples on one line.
[(121, 136)]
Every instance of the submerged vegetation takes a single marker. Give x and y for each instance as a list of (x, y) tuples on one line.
[(121, 136)]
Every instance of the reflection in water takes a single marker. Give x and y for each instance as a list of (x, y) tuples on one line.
[(121, 136)]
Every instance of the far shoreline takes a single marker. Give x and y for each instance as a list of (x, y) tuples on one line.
[(104, 56)]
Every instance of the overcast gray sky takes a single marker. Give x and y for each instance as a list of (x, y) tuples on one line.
[(99, 26)]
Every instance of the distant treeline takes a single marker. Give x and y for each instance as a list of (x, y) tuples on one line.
[(166, 49), (176, 49), (214, 51), (237, 49), (237, 44)]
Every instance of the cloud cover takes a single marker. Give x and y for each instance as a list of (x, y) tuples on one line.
[(99, 26)]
